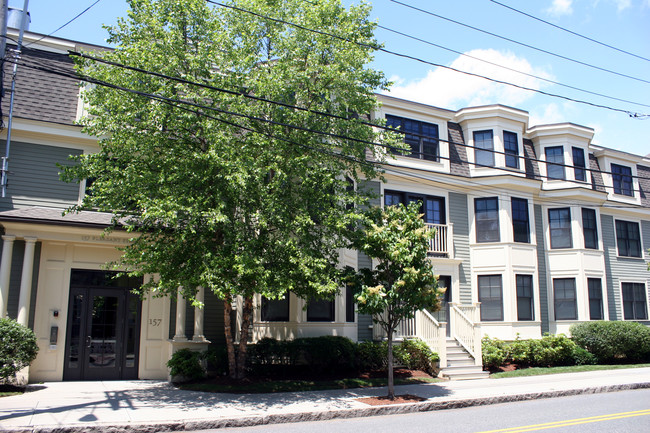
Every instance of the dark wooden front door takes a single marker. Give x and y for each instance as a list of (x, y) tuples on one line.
[(103, 329)]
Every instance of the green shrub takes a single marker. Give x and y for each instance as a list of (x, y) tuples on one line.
[(415, 354), (582, 356), (216, 360), (18, 348), (551, 351), (494, 353), (613, 342), (185, 364), (328, 354), (372, 355)]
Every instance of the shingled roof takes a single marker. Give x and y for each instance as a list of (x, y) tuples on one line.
[(457, 151), (42, 95)]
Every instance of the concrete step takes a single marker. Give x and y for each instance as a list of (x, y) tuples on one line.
[(464, 372)]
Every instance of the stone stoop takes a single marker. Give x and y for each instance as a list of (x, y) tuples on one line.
[(460, 365)]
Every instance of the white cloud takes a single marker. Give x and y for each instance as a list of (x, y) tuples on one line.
[(449, 89), (562, 7), (623, 4)]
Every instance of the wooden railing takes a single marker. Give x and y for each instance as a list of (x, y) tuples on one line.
[(466, 329), (443, 242)]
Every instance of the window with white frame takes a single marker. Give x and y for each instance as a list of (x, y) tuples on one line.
[(564, 299), (554, 162), (634, 301), (590, 228), (628, 238), (511, 149), (275, 310), (490, 295), (422, 137), (486, 211), (622, 180), (579, 167), (320, 310), (520, 220), (559, 223), (595, 288), (484, 148), (524, 297)]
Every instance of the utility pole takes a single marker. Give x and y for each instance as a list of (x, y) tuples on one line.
[(4, 11), (5, 159)]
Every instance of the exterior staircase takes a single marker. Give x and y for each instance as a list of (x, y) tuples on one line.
[(460, 364)]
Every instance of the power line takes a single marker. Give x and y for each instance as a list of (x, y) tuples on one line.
[(570, 31), (173, 102), (406, 56), (331, 115), (520, 43), (508, 68), (73, 19)]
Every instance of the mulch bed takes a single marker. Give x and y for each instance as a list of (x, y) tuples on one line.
[(383, 400)]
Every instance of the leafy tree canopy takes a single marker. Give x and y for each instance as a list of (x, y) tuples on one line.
[(227, 192)]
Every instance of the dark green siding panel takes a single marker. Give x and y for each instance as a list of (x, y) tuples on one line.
[(364, 321), (213, 326), (18, 255), (34, 177), (459, 217), (609, 245), (541, 268), (35, 270), (621, 269)]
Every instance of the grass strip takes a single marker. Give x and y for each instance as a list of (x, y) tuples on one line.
[(537, 371)]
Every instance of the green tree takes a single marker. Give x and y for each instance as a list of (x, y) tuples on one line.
[(219, 189), (402, 280), (18, 348)]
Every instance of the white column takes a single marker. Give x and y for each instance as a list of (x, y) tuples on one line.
[(26, 282), (198, 316), (180, 316), (5, 272)]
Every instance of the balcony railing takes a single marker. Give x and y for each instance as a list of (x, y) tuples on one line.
[(442, 244)]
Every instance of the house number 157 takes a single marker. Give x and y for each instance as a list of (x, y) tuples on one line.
[(155, 322)]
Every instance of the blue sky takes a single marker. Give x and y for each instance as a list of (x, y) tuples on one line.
[(624, 24)]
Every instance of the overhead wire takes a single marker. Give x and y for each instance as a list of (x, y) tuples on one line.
[(570, 31), (195, 105), (417, 59), (174, 102), (64, 25), (424, 11)]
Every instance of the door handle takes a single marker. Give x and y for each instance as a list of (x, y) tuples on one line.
[(88, 341)]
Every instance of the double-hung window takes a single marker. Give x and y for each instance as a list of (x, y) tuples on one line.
[(622, 178), (555, 162), (564, 296), (320, 310), (275, 310), (511, 148), (559, 223), (628, 238), (634, 301), (525, 297), (579, 167), (520, 222), (595, 299), (487, 219), (422, 137), (490, 295), (484, 148), (590, 228), (432, 208)]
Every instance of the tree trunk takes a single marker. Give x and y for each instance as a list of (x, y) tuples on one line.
[(391, 382), (230, 343), (247, 313)]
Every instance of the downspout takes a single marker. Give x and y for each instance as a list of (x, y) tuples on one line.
[(5, 159)]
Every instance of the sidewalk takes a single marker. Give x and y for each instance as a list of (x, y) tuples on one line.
[(139, 406)]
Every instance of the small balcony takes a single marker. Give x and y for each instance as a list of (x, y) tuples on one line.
[(442, 244)]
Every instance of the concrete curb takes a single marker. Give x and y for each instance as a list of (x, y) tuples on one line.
[(248, 421)]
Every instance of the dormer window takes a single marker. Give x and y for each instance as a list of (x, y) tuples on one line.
[(555, 162), (622, 179), (484, 148), (579, 167), (422, 137), (511, 148)]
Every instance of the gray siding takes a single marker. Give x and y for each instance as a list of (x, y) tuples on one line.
[(34, 177), (458, 216), (18, 255), (541, 268), (621, 269), (364, 321)]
